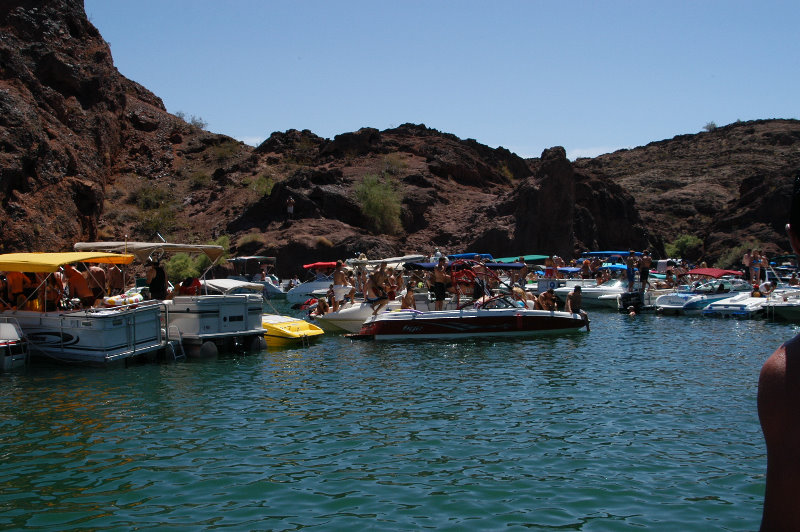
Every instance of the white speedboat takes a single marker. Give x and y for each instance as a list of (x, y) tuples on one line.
[(594, 295), (742, 305), (91, 336), (204, 323), (786, 307), (695, 300), (321, 279), (350, 317), (245, 266)]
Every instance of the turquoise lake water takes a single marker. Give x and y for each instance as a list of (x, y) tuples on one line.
[(644, 423)]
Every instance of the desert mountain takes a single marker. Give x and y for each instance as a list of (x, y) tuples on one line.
[(87, 154)]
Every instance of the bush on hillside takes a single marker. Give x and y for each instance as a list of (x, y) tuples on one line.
[(688, 247), (380, 203)]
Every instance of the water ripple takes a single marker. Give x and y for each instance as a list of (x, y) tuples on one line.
[(646, 422)]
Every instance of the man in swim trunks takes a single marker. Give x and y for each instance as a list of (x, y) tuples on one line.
[(645, 262), (630, 262), (440, 283), (573, 304)]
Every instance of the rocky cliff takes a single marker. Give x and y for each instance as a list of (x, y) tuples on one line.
[(87, 154)]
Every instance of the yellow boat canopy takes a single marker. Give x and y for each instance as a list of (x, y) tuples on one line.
[(144, 250), (50, 262)]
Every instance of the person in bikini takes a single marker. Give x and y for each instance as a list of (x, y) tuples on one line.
[(408, 301), (341, 286)]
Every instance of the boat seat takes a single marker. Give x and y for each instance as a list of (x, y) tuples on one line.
[(422, 301), (9, 332)]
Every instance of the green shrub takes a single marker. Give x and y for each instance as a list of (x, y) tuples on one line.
[(183, 265), (263, 185), (180, 266), (152, 221), (380, 203), (249, 238), (685, 246), (199, 180), (149, 197), (226, 150), (393, 164)]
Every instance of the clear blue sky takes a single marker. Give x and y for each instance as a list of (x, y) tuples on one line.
[(592, 76)]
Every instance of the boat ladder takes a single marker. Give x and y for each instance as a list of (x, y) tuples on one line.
[(174, 338)]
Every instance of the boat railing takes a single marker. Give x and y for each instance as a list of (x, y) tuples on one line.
[(130, 332)]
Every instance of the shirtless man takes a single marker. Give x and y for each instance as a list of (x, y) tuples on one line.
[(547, 300), (440, 282), (630, 262), (779, 413), (573, 305), (645, 262)]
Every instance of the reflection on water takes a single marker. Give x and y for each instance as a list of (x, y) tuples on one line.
[(645, 422)]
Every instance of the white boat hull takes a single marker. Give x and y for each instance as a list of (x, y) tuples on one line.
[(351, 318), (223, 320), (305, 291), (92, 336), (739, 306), (592, 294)]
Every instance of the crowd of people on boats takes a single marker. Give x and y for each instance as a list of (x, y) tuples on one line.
[(84, 286), (72, 286), (638, 271), (460, 281)]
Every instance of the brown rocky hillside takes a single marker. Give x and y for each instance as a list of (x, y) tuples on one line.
[(87, 154)]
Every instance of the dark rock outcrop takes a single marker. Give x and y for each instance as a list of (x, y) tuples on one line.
[(87, 154)]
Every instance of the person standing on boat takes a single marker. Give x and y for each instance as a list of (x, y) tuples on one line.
[(645, 262), (440, 283), (96, 279), (17, 283), (549, 267), (630, 262), (755, 267), (747, 260), (157, 281), (764, 266), (116, 284), (78, 287), (341, 288), (779, 414)]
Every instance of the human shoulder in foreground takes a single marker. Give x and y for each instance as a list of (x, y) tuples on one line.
[(779, 413)]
